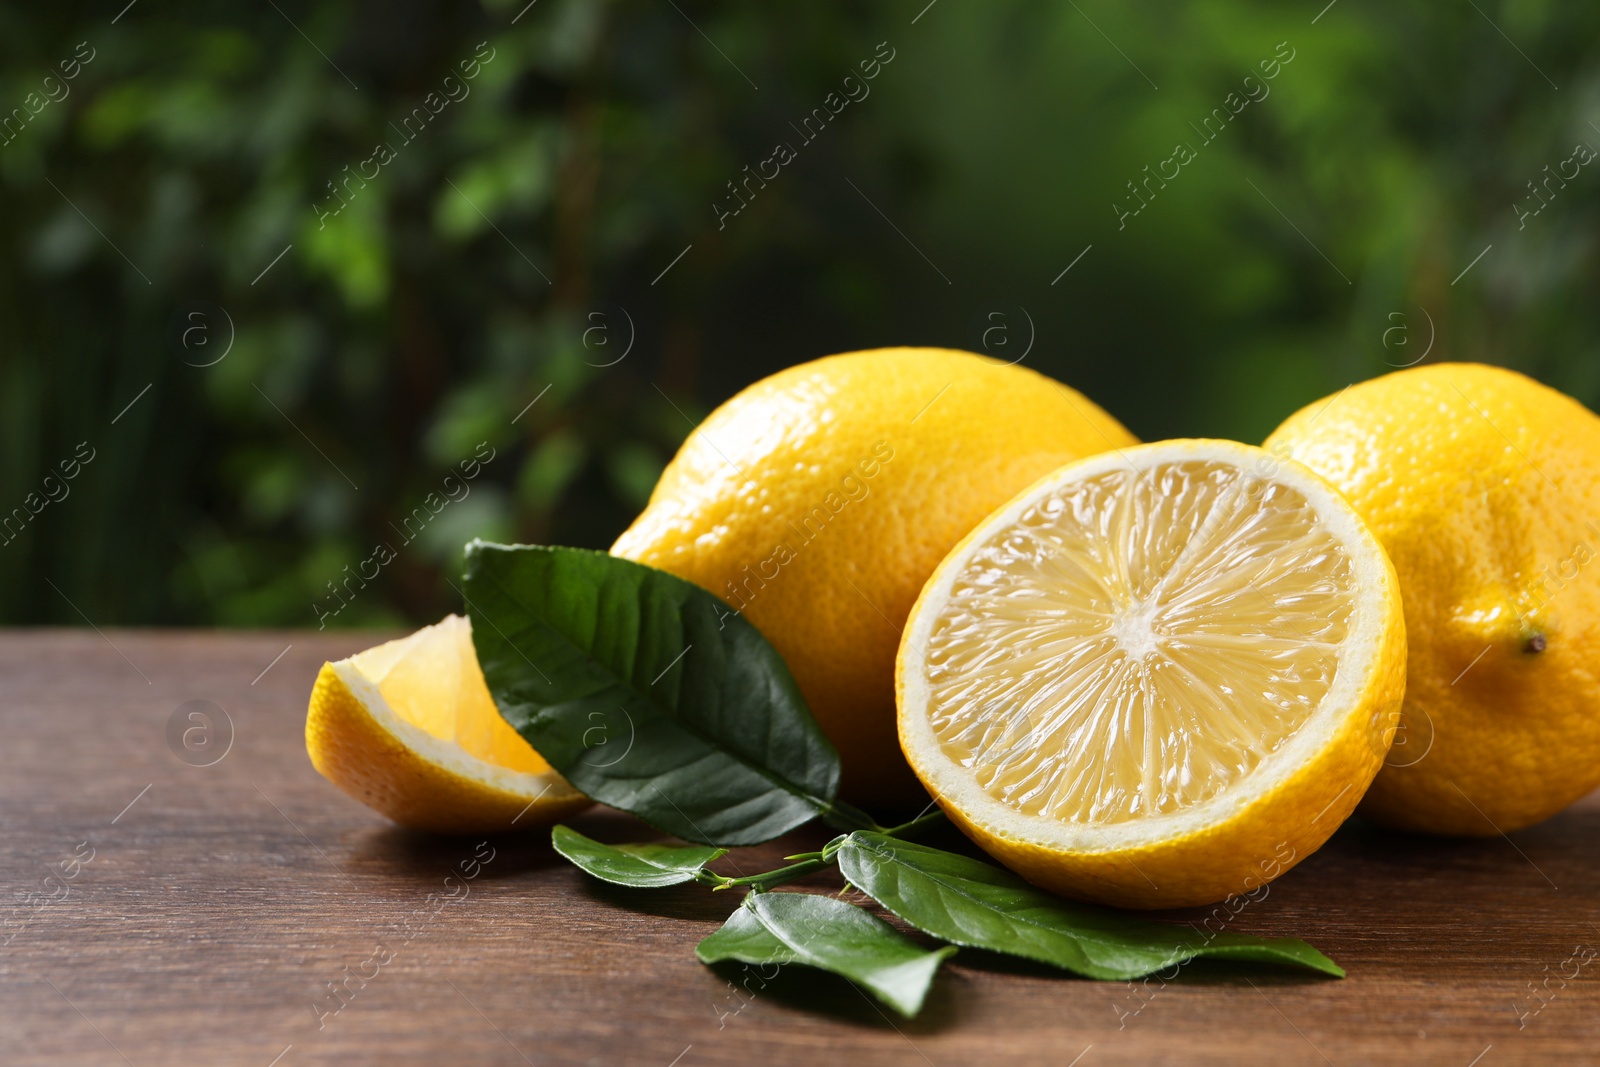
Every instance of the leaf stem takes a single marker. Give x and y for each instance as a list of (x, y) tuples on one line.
[(777, 877), (811, 862)]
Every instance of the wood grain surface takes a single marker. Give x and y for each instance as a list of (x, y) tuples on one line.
[(158, 911)]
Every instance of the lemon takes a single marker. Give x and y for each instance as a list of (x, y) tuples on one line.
[(1484, 487), (817, 501), (409, 729), (1157, 677)]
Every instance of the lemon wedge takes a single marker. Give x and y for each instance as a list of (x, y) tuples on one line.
[(409, 729)]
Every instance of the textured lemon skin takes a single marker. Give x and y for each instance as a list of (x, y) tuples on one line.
[(904, 450), (1476, 479), (349, 747), (1239, 854)]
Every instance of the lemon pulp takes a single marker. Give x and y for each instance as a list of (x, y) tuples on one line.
[(431, 680), (1137, 643)]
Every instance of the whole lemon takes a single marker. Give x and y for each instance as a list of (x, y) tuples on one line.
[(817, 501), (1484, 487)]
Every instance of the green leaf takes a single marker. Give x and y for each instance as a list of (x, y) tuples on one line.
[(979, 905), (832, 935), (641, 866), (647, 693)]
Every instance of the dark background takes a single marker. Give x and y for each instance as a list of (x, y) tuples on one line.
[(298, 408)]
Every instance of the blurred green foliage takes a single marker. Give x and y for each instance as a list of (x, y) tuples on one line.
[(516, 247)]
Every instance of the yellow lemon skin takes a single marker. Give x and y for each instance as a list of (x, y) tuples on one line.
[(1265, 835), (1484, 487), (818, 500)]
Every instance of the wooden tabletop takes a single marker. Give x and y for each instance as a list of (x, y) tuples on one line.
[(160, 910)]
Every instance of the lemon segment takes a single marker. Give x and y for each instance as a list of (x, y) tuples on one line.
[(409, 729), (1155, 671)]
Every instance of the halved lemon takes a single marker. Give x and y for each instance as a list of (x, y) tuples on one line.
[(409, 729), (1158, 677)]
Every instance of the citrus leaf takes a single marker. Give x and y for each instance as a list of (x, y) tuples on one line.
[(647, 693), (831, 935), (640, 866), (972, 903)]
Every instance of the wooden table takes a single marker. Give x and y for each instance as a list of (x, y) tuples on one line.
[(210, 908)]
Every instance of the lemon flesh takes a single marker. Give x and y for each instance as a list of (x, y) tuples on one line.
[(431, 680), (1140, 657), (409, 729)]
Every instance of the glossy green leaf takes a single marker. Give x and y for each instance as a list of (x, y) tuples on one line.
[(972, 903), (647, 693), (832, 935), (640, 866)]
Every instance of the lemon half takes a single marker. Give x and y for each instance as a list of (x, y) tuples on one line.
[(409, 729), (1157, 677)]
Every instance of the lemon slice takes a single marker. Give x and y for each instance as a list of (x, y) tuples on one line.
[(1158, 677), (409, 729)]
